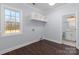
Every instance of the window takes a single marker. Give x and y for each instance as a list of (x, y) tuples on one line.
[(12, 21)]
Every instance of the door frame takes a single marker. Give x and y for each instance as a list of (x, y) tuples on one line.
[(63, 19)]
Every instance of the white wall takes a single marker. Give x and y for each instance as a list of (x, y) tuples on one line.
[(28, 35), (52, 30), (54, 25)]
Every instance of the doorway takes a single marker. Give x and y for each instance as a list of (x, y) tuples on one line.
[(69, 30)]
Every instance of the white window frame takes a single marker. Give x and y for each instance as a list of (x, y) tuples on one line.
[(3, 7)]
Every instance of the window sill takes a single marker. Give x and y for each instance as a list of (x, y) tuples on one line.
[(11, 34)]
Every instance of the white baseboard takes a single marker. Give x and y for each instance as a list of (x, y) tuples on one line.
[(25, 44), (16, 47), (68, 42), (53, 40), (77, 47)]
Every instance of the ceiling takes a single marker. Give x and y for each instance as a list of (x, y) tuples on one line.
[(45, 7)]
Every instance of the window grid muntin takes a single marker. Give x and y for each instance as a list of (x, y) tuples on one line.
[(15, 19)]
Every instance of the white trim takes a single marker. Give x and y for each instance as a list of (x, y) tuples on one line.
[(75, 14), (54, 40), (77, 47), (77, 31), (70, 43), (60, 42), (16, 47), (2, 20)]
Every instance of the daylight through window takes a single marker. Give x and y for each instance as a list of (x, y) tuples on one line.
[(12, 21)]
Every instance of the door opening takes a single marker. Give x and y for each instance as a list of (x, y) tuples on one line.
[(69, 30)]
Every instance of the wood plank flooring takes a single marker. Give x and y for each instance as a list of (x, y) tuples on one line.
[(45, 47)]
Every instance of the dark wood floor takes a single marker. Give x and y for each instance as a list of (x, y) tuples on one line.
[(45, 47)]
